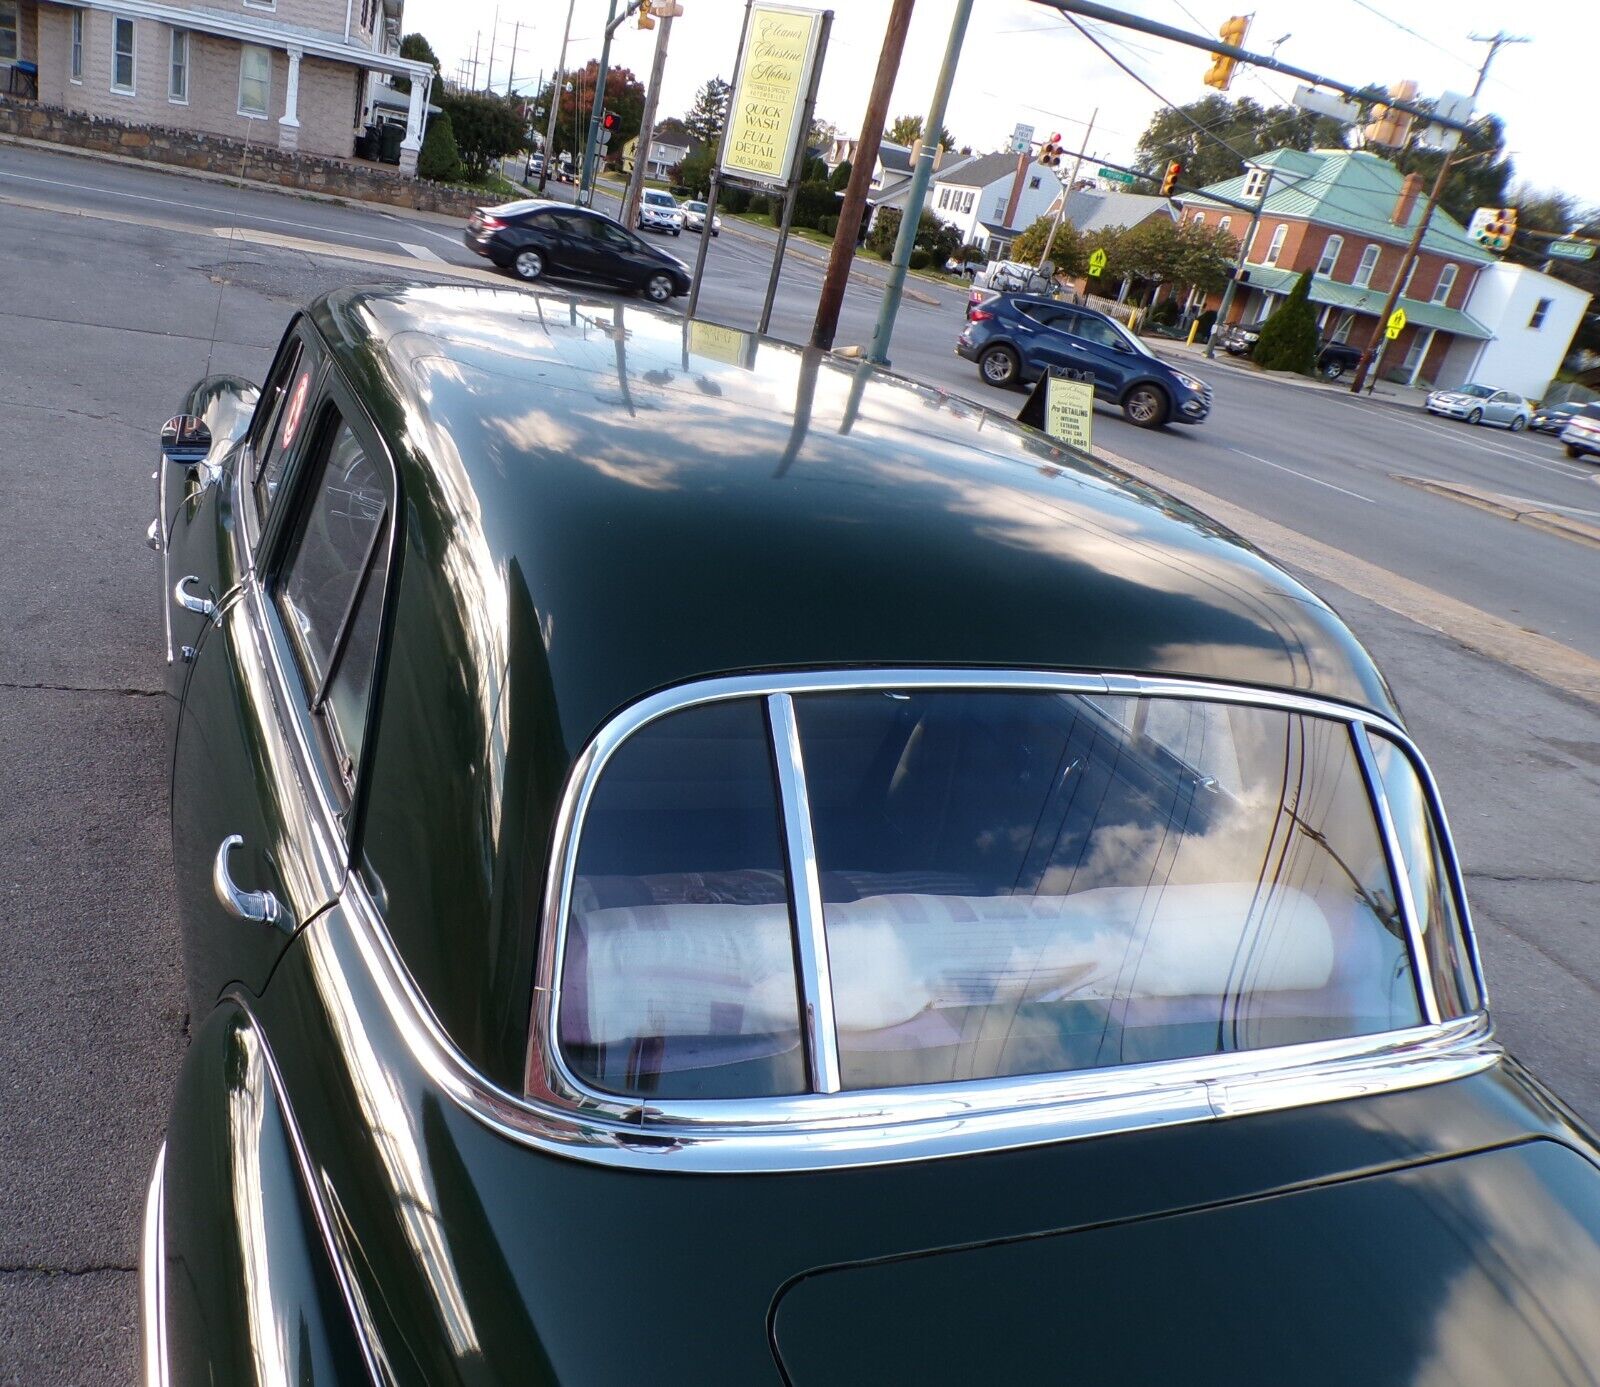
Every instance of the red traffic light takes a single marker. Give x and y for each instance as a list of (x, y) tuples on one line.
[(1170, 179), (608, 120)]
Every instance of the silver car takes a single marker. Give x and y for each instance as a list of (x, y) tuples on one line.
[(694, 218), (659, 211), (1482, 404)]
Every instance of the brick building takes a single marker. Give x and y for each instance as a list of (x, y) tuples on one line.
[(296, 74), (1345, 217)]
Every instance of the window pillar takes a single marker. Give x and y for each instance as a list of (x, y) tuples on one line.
[(289, 121), (412, 144)]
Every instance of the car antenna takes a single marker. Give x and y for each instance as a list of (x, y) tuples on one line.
[(233, 228)]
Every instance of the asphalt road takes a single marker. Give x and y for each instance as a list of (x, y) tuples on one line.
[(107, 319)]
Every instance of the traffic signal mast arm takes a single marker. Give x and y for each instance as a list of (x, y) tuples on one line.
[(1210, 43), (1158, 177)]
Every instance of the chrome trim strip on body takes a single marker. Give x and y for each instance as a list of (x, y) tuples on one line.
[(805, 887), (885, 1126), (1398, 873), (153, 1277), (164, 529)]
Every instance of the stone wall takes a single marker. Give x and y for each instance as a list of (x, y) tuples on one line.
[(219, 154)]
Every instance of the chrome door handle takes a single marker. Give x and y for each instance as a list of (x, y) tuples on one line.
[(187, 600), (260, 906)]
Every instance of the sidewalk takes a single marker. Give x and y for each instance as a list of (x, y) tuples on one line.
[(1194, 357)]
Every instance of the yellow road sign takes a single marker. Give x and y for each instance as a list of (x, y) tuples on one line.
[(1397, 321), (1097, 263)]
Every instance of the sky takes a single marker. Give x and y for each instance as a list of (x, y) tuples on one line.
[(1022, 63)]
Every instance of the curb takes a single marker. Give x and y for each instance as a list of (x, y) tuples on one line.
[(1527, 513), (1177, 356)]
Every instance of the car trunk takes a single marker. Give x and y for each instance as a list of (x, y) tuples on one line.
[(1474, 1270)]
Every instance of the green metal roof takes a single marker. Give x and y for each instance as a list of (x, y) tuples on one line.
[(1349, 190), (1370, 301)]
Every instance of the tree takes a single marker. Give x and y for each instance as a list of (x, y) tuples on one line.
[(1288, 340), (439, 160), (1160, 251), (1067, 250), (418, 49), (624, 99), (694, 172), (908, 129), (1243, 125), (486, 128), (840, 175), (709, 113), (939, 239)]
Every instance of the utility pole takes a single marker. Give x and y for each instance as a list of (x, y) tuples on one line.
[(591, 144), (855, 195), (494, 33), (647, 124), (555, 102), (1066, 189), (511, 72), (1372, 354), (716, 178), (906, 240)]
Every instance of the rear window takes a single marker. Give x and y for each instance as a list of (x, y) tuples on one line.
[(1008, 883)]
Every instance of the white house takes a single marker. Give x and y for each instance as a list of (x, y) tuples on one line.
[(992, 198), (1532, 317), (891, 174)]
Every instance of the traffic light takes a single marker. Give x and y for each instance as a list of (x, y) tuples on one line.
[(1493, 228), (608, 123), (1389, 126), (1051, 153), (646, 20), (1169, 180), (1233, 31)]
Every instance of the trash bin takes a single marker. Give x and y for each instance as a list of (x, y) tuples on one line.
[(389, 147)]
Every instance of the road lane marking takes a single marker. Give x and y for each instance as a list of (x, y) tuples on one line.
[(421, 252), (1499, 450), (1484, 633), (209, 210), (1303, 475)]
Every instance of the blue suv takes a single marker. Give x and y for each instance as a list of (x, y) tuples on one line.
[(1016, 337)]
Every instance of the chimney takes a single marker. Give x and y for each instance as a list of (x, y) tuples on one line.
[(1405, 204)]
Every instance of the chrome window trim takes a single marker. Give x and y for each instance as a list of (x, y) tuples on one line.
[(805, 890), (1399, 875), (1079, 1103)]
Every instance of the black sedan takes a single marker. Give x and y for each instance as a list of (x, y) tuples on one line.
[(1553, 418), (536, 238), (704, 863)]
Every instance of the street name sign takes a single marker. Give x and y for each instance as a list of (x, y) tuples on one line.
[(769, 92), (1097, 263), (1118, 176), (1397, 323), (1571, 250)]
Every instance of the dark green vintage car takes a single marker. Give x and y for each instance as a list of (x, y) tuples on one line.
[(705, 863)]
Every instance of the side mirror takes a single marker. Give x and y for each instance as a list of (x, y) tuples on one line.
[(185, 439)]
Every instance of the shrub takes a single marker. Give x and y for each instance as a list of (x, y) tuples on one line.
[(1288, 340), (1208, 320), (486, 128), (920, 259), (840, 176), (885, 228), (759, 206), (813, 202), (734, 199), (439, 159), (1165, 312), (827, 225)]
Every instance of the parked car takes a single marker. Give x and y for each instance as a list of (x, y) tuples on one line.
[(851, 905), (536, 239), (1015, 338), (659, 211), (1332, 361), (1552, 418), (1481, 404), (694, 218), (1582, 432)]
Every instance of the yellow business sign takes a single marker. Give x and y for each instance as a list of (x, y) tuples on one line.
[(1069, 411), (718, 343), (1097, 263), (769, 93), (1397, 322)]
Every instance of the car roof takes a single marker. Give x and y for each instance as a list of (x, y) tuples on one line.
[(683, 501)]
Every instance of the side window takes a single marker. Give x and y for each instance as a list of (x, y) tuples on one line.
[(1093, 330), (280, 420), (1454, 983), (1043, 313), (330, 589)]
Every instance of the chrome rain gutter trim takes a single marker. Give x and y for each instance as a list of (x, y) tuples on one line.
[(805, 885), (153, 1277), (1398, 873)]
